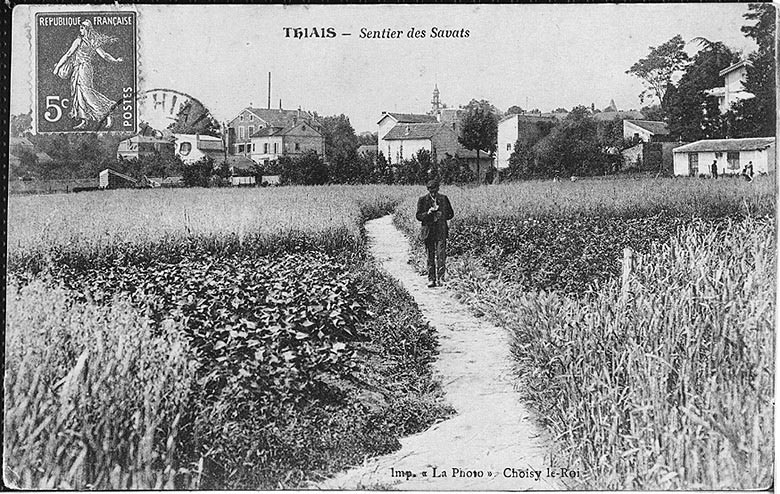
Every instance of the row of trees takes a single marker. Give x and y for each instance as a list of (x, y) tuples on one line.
[(370, 168)]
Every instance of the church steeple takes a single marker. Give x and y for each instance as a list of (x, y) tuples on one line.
[(435, 103)]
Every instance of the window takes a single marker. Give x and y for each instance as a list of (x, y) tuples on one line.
[(297, 146), (253, 147), (693, 164), (185, 148), (732, 157), (241, 133), (251, 130), (251, 117), (241, 117), (276, 147), (509, 146), (240, 148), (265, 148)]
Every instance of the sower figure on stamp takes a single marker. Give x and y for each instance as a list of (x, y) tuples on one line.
[(87, 103), (433, 211)]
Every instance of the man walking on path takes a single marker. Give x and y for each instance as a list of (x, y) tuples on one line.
[(714, 168), (433, 211)]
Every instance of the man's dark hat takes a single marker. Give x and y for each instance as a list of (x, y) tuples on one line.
[(432, 183)]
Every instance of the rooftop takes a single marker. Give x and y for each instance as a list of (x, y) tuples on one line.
[(612, 115), (749, 144), (654, 126), (410, 117), (413, 131), (280, 118), (732, 68)]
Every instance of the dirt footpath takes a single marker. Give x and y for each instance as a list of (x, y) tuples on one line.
[(492, 443)]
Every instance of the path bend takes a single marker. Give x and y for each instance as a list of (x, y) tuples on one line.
[(492, 433)]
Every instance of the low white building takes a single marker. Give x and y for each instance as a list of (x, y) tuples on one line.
[(194, 147), (729, 155)]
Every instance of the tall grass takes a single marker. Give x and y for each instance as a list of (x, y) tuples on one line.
[(615, 198), (93, 399), (668, 388), (139, 225)]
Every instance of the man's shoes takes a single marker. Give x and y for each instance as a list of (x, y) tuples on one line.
[(432, 284)]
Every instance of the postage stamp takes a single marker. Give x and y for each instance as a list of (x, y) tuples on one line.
[(86, 72)]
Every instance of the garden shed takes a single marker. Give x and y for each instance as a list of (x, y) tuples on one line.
[(731, 155)]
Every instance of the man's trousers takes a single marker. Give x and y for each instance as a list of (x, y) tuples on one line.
[(437, 258)]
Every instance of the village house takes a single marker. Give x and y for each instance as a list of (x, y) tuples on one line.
[(733, 88), (730, 156), (251, 120), (645, 130), (526, 128), (654, 151), (194, 147), (140, 146), (270, 143), (402, 135)]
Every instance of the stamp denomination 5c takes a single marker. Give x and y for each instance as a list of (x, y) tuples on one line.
[(86, 72)]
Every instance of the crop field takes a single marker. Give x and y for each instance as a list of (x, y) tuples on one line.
[(670, 386), (228, 339), (205, 339)]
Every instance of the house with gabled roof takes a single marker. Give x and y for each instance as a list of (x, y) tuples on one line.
[(646, 130), (733, 89), (405, 140), (250, 120), (269, 143)]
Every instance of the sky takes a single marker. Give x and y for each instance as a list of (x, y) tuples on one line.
[(534, 56)]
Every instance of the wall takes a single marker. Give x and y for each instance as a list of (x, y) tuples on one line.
[(258, 155), (399, 150), (306, 138), (507, 136)]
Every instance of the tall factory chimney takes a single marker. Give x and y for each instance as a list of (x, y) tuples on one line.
[(269, 90)]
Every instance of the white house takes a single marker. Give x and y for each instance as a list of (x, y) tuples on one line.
[(194, 147), (730, 156), (733, 88), (645, 130), (390, 120), (518, 127)]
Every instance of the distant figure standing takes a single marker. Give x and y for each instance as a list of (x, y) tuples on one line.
[(747, 171), (714, 168), (433, 211)]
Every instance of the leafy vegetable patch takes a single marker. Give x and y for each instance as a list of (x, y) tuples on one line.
[(567, 254), (274, 326)]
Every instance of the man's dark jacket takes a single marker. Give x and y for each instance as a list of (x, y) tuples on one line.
[(430, 228)]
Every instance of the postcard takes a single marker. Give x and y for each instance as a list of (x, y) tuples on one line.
[(380, 247)]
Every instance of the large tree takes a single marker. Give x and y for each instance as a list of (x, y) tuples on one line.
[(659, 67), (341, 145), (692, 114), (755, 117), (573, 147), (479, 130)]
